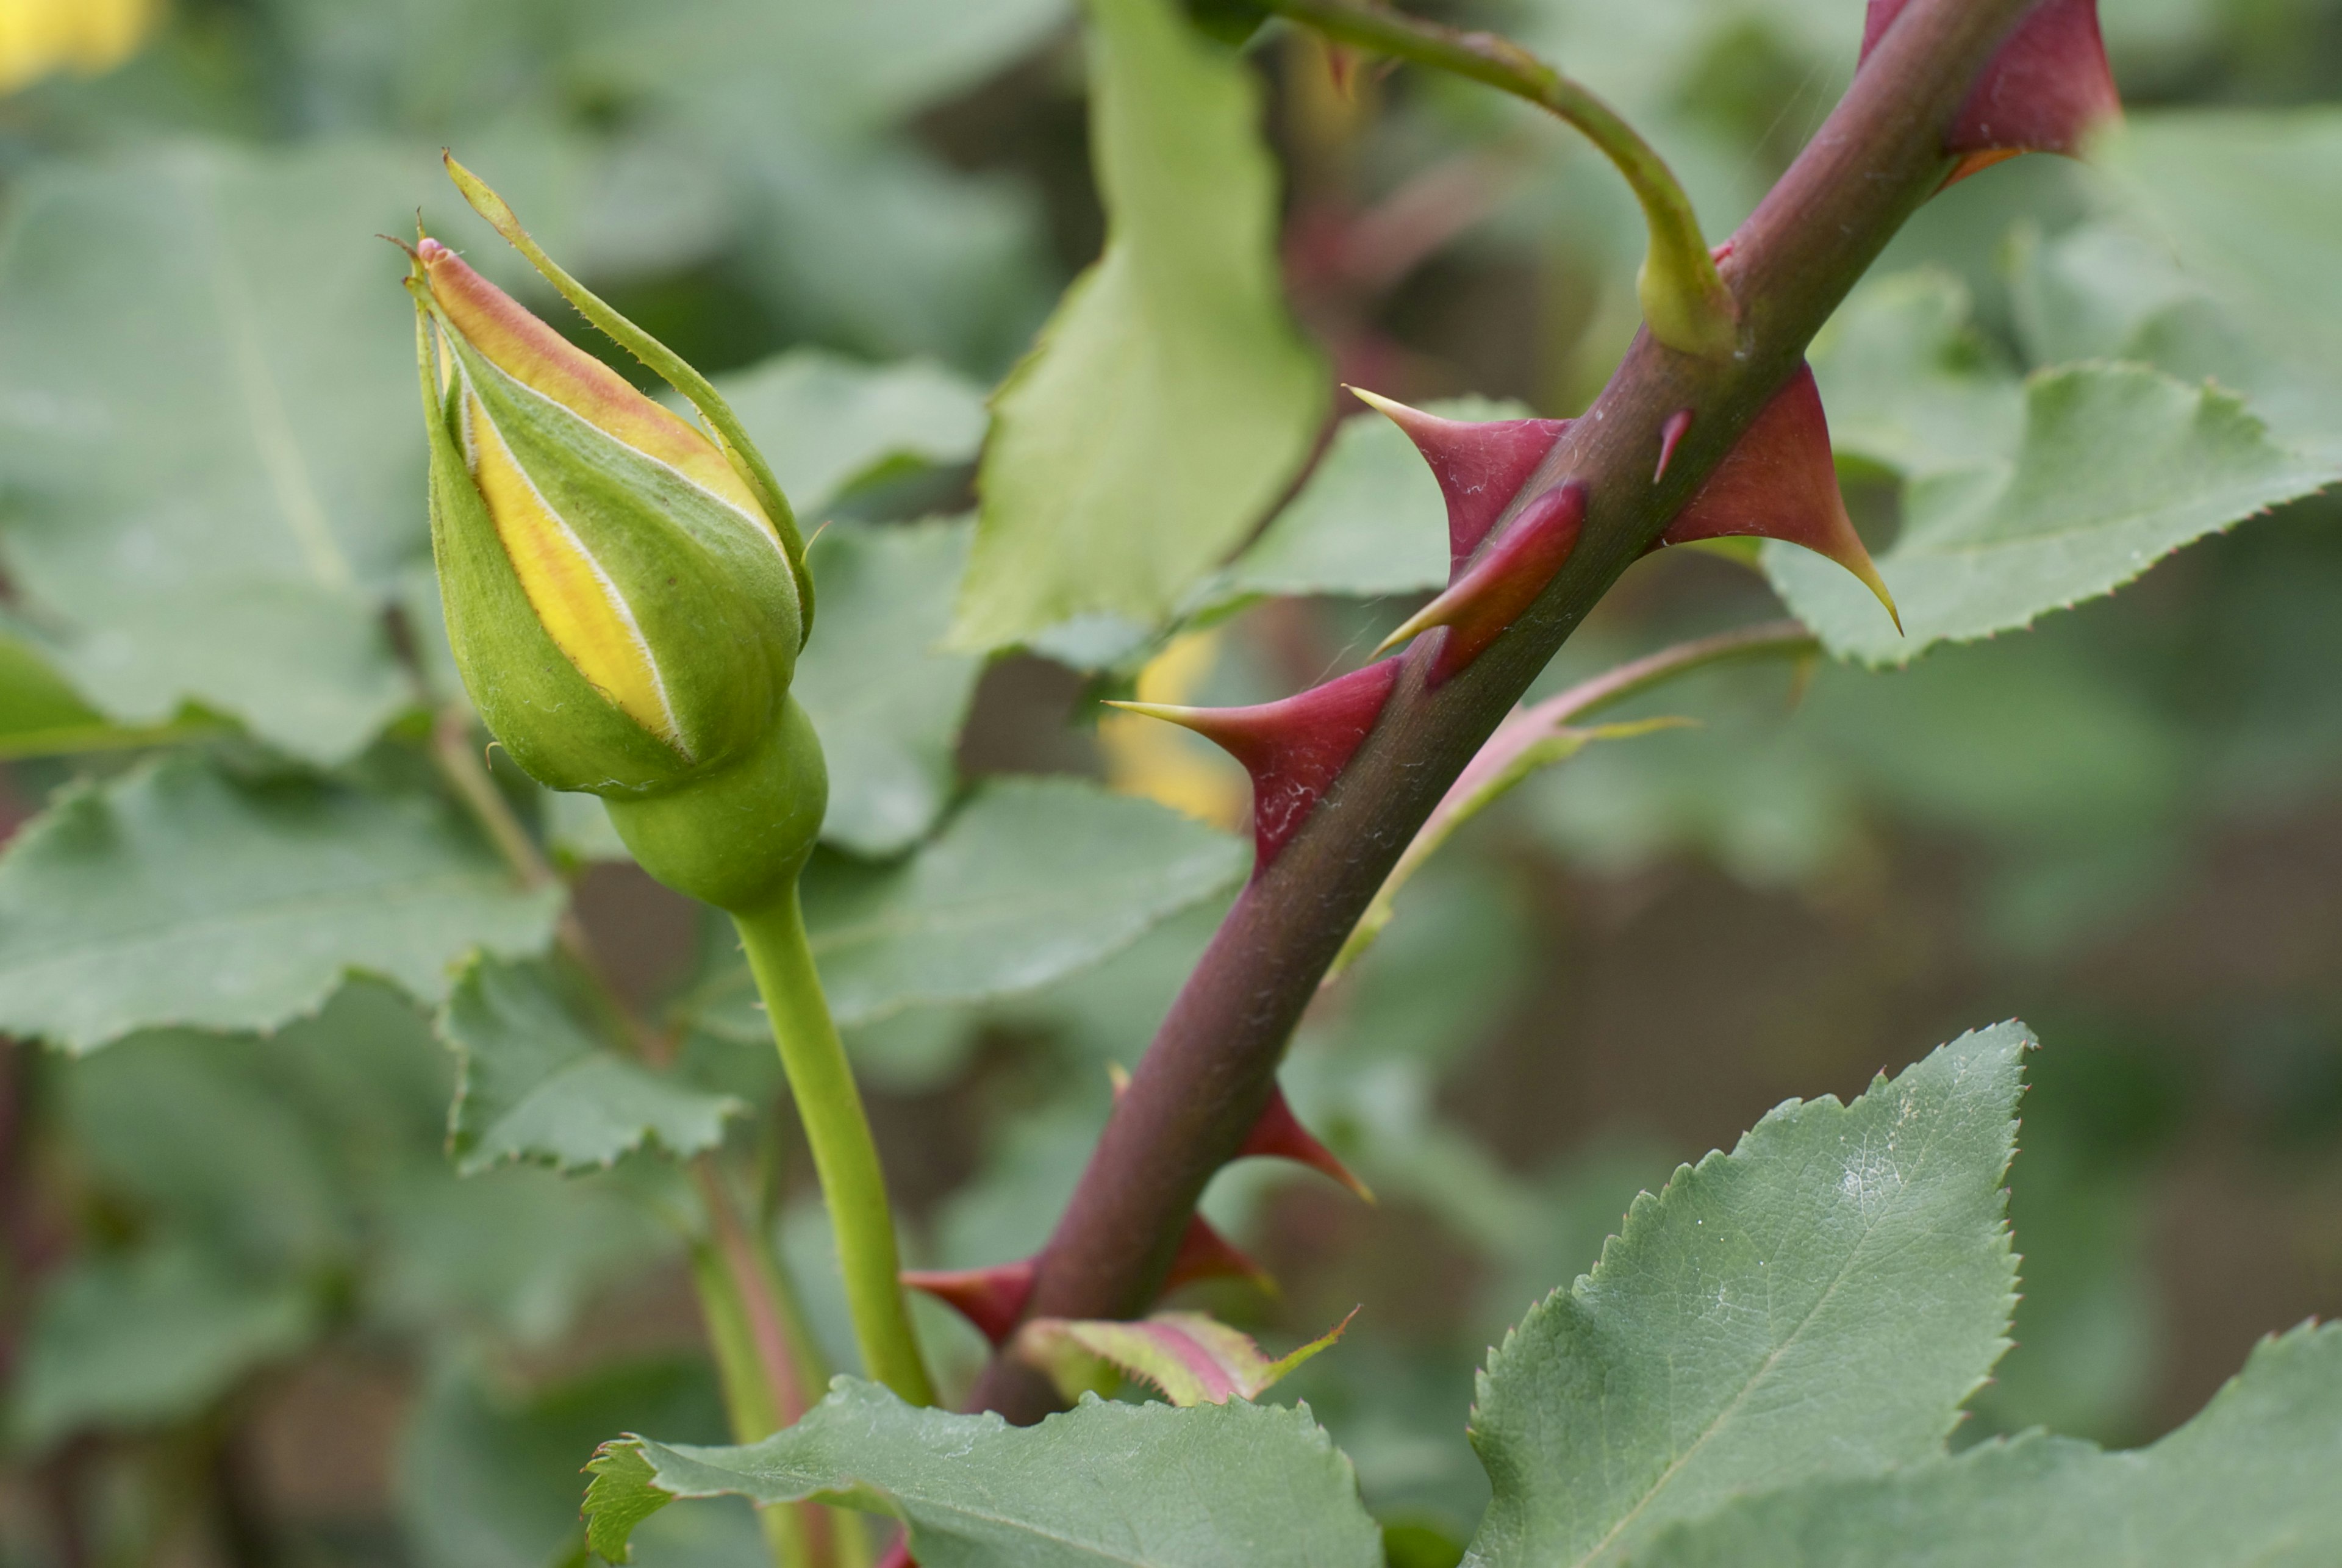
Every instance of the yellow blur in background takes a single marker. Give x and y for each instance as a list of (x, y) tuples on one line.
[(1163, 763), (38, 37)]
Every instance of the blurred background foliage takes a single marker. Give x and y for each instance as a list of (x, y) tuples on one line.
[(252, 1316)]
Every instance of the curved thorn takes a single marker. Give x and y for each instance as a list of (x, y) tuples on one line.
[(1481, 464), (1293, 749), (1671, 434), (1494, 590), (1279, 1135), (2045, 90)]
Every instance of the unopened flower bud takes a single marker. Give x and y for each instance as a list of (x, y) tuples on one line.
[(622, 609)]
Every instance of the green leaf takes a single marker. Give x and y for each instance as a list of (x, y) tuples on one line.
[(146, 1340), (1910, 384), (536, 1085), (1170, 398), (827, 423), (888, 702), (212, 450), (1819, 1301), (1141, 1486), (1369, 521), (2118, 467), (2249, 1483), (176, 895), (1034, 879)]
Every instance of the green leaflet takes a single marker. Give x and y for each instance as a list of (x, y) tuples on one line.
[(1817, 1302), (827, 423), (174, 894), (210, 492), (1369, 521), (1169, 399), (2118, 466), (888, 702), (1034, 879), (1134, 1485), (536, 1085), (2248, 1482)]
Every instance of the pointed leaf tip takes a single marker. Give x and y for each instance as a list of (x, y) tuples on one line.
[(1480, 465), (1779, 482), (1293, 749), (992, 1298), (1495, 589), (1206, 1255), (2046, 89), (1279, 1135)]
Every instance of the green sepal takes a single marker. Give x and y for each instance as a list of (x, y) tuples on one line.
[(561, 730), (716, 603), (737, 837), (671, 367)]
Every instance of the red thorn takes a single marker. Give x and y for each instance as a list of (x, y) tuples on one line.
[(1279, 1135), (1206, 1255), (1778, 482), (1504, 582), (1294, 749), (1480, 466), (992, 1298), (1671, 434), (1723, 252), (2044, 92)]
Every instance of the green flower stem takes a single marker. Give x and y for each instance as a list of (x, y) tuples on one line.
[(844, 1155), (1684, 297)]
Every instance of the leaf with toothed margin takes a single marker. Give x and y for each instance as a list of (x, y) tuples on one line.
[(2046, 89), (2248, 1484), (1367, 523), (536, 1085), (1819, 1302), (1033, 879), (2118, 466), (1192, 1358), (175, 894), (1170, 399), (1130, 1485), (1293, 748)]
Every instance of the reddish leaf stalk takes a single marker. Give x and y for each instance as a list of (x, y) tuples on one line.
[(1211, 1068)]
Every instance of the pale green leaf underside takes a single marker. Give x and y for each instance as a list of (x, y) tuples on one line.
[(2249, 1483), (826, 423), (174, 896), (1135, 1485), (1817, 1302), (211, 447), (1032, 880), (1369, 521), (2118, 466), (534, 1085), (1170, 397)]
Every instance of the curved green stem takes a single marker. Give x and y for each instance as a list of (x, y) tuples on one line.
[(1684, 298), (838, 1133)]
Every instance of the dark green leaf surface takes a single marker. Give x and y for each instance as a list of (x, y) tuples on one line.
[(174, 896), (826, 423), (1817, 1302), (2249, 1483), (1369, 521), (1170, 398), (1138, 1485), (536, 1085), (2118, 466), (887, 700), (1033, 879), (208, 420)]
